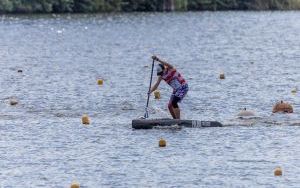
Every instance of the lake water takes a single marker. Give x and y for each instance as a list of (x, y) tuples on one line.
[(44, 144)]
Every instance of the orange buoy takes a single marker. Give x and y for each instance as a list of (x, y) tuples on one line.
[(162, 143), (100, 82), (157, 94), (282, 107), (75, 185), (85, 119), (278, 171)]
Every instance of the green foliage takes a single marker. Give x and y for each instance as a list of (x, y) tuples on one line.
[(61, 6), (293, 4), (6, 6), (181, 5), (141, 5), (112, 5), (85, 6), (97, 5)]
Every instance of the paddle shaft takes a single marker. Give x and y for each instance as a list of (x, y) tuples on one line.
[(146, 113)]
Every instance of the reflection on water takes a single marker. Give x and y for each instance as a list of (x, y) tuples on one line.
[(61, 57)]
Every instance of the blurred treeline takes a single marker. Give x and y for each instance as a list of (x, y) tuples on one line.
[(84, 6)]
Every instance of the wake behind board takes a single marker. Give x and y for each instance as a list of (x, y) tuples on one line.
[(150, 123)]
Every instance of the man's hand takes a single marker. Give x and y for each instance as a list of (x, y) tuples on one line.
[(155, 58)]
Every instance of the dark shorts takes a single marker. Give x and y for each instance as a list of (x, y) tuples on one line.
[(179, 94)]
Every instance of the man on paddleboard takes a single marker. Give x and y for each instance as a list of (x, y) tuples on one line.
[(173, 78)]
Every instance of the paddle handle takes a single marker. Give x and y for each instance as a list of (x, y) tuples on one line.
[(146, 113)]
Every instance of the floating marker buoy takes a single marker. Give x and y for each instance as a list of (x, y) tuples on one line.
[(162, 143), (278, 171), (245, 112), (20, 71), (100, 82), (294, 90), (75, 185), (13, 102), (157, 94), (282, 107), (222, 76), (85, 119)]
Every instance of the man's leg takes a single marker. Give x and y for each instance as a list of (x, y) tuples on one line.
[(171, 110), (175, 106), (177, 112)]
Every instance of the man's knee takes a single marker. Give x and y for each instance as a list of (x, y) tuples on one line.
[(175, 101), (174, 104)]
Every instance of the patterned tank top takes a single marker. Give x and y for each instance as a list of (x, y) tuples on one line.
[(173, 78)]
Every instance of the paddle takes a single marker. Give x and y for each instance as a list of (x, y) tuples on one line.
[(146, 110)]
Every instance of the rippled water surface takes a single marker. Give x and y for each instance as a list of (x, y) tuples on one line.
[(44, 144)]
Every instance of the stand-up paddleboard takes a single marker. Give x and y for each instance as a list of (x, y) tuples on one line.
[(150, 123)]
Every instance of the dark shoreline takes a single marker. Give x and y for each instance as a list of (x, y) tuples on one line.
[(107, 6), (138, 12)]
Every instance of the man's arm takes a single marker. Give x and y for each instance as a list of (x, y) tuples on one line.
[(156, 84), (162, 62)]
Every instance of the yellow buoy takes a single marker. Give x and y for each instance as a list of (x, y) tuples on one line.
[(162, 143), (222, 76), (157, 94), (278, 171), (13, 102), (100, 82), (85, 119), (282, 107), (75, 185)]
